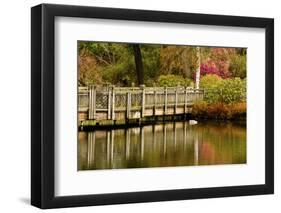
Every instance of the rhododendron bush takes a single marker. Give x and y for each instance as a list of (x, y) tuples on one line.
[(225, 62)]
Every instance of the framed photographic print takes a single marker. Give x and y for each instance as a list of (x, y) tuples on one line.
[(139, 106)]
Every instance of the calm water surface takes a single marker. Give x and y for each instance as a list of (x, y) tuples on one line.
[(171, 144)]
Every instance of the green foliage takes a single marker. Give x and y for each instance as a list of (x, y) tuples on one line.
[(101, 63), (227, 91), (172, 81), (223, 99), (120, 74), (211, 85), (114, 63), (105, 53), (238, 65), (151, 63), (233, 90), (89, 72), (210, 81)]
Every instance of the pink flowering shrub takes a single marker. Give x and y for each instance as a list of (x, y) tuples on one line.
[(218, 63), (213, 69)]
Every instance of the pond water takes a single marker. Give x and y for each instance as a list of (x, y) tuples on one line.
[(163, 145)]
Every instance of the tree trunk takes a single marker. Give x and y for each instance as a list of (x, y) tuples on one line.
[(138, 62), (197, 75)]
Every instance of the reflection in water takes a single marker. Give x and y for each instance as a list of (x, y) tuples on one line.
[(171, 144)]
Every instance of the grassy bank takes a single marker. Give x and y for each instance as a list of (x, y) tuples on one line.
[(220, 111)]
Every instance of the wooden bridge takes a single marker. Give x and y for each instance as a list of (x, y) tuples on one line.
[(120, 105)]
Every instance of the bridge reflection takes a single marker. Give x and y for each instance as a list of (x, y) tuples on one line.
[(135, 147), (170, 144)]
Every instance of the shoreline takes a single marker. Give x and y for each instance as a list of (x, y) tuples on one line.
[(91, 125)]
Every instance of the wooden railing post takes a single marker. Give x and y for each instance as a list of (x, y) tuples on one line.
[(109, 100), (128, 107), (92, 102), (154, 104), (89, 102), (165, 101), (143, 100), (113, 104), (193, 95), (185, 100)]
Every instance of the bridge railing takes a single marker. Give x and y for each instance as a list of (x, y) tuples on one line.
[(135, 102)]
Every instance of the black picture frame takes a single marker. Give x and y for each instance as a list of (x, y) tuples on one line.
[(43, 102)]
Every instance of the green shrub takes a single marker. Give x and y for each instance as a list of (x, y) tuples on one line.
[(218, 90), (237, 66), (211, 85), (173, 81), (210, 81), (233, 90)]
